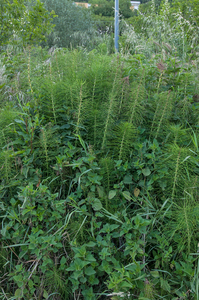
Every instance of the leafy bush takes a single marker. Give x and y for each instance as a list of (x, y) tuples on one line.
[(24, 23)]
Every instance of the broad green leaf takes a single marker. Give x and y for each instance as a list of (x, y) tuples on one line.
[(125, 284), (77, 274), (82, 279), (71, 268), (128, 179), (100, 191), (18, 278), (91, 244), (19, 267), (30, 283), (106, 266), (97, 205), (18, 293), (131, 268), (146, 171), (63, 260), (90, 271), (127, 195), (165, 285), (92, 280), (88, 294), (113, 227), (112, 194), (45, 294), (90, 257), (80, 264), (155, 274)]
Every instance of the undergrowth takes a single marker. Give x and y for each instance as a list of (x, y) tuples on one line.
[(99, 177)]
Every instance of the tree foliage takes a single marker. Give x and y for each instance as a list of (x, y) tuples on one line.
[(71, 19), (106, 8), (189, 9), (24, 22)]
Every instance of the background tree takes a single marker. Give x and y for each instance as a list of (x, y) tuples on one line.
[(71, 19), (125, 9), (103, 8), (106, 8), (189, 9), (24, 22)]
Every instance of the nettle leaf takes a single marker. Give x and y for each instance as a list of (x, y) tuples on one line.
[(82, 279), (114, 226), (97, 205), (128, 179), (108, 228), (155, 274), (125, 284), (45, 294), (106, 267), (92, 280), (100, 191), (91, 244), (165, 285), (18, 293), (30, 283), (88, 294), (77, 274), (18, 278), (90, 271), (131, 268), (90, 258), (19, 267), (146, 172), (71, 268), (63, 260), (112, 194), (81, 264)]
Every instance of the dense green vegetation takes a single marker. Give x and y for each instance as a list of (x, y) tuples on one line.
[(24, 22), (99, 158)]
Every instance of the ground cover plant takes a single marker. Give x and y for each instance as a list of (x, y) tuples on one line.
[(99, 178), (99, 171)]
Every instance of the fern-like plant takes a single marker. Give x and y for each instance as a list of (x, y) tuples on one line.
[(183, 225), (136, 103), (176, 134), (123, 136), (162, 113), (111, 107), (181, 171), (107, 172)]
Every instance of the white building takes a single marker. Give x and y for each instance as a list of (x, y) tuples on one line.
[(135, 4)]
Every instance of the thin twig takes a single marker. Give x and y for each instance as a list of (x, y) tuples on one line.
[(33, 269), (4, 293)]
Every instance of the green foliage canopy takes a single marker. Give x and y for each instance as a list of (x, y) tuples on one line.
[(189, 9), (71, 19), (24, 22), (106, 8)]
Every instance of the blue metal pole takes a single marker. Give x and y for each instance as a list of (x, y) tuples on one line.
[(116, 25)]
